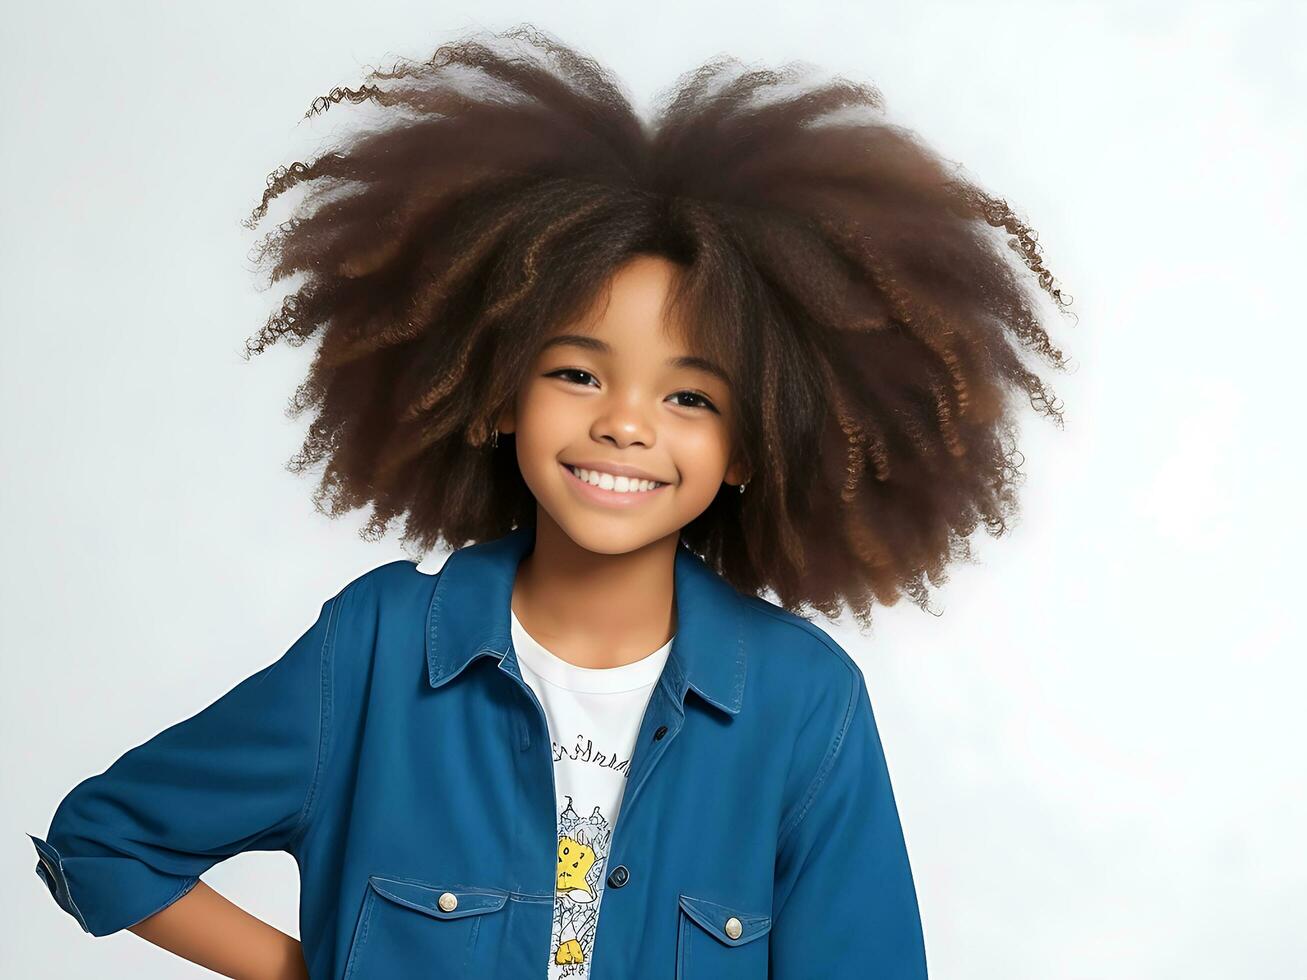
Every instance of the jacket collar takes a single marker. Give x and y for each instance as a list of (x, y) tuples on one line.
[(469, 617)]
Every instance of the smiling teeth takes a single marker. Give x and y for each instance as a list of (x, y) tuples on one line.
[(619, 484)]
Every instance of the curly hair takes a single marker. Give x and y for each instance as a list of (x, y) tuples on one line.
[(870, 314)]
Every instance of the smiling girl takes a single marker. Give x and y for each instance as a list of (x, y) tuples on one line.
[(623, 438), (665, 389)]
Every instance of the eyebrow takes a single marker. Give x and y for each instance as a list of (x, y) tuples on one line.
[(586, 342)]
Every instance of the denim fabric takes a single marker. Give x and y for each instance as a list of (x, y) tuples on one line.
[(397, 753)]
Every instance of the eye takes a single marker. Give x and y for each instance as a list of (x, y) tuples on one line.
[(702, 398), (562, 371)]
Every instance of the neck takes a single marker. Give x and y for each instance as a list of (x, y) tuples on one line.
[(596, 610)]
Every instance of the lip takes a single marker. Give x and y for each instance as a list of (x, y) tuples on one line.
[(609, 498), (616, 469)]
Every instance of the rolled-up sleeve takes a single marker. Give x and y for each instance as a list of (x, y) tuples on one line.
[(237, 776), (844, 901)]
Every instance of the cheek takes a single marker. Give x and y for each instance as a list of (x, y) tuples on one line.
[(701, 451), (541, 432), (544, 413)]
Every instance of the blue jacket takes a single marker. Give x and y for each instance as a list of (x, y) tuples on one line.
[(396, 752)]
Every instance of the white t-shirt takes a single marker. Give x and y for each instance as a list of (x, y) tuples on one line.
[(594, 717)]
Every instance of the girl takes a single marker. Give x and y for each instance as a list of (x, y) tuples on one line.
[(636, 376)]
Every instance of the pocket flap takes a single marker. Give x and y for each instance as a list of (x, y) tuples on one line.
[(426, 898), (714, 918)]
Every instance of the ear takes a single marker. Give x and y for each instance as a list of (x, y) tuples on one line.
[(736, 473), (507, 421)]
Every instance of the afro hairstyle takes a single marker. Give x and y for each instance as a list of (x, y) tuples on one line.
[(875, 308)]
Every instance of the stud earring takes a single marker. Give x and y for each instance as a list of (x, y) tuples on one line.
[(741, 487)]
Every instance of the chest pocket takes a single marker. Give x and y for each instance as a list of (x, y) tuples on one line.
[(720, 942), (410, 929)]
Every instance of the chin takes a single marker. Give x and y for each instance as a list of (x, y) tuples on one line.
[(609, 537)]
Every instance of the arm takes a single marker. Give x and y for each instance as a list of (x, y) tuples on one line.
[(844, 900), (207, 929), (240, 775)]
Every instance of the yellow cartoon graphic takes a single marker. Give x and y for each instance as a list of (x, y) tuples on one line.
[(582, 851), (575, 859)]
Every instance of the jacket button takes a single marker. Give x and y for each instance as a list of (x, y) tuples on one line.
[(619, 877), (448, 902), (733, 927)]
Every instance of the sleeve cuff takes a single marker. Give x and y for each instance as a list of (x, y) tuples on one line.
[(112, 893)]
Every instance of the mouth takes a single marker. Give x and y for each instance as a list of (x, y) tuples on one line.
[(606, 491)]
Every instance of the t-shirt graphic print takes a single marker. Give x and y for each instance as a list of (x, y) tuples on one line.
[(594, 717)]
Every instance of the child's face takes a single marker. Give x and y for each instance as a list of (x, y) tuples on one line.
[(624, 403)]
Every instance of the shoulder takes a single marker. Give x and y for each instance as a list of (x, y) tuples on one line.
[(786, 648), (804, 684), (382, 607), (394, 583)]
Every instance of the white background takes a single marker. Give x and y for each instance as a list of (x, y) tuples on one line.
[(1097, 748)]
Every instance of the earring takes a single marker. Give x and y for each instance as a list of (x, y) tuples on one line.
[(494, 439), (741, 487)]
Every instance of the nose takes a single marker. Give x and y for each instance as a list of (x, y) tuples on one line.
[(624, 421)]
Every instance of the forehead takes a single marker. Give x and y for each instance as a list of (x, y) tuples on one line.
[(628, 319), (633, 305)]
